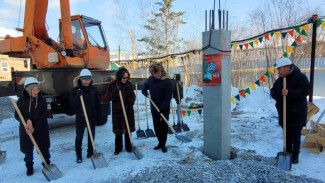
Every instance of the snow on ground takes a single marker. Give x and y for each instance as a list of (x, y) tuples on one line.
[(254, 131)]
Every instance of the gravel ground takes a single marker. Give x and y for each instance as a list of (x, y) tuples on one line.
[(6, 108)]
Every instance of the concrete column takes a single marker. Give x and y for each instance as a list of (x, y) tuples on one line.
[(216, 98)]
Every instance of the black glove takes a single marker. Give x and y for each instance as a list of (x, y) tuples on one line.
[(145, 93), (79, 92), (118, 87)]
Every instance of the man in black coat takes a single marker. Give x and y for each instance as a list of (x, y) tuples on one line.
[(83, 86), (161, 91), (33, 109), (298, 89)]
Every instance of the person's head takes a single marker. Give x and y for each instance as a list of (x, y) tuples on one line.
[(122, 75), (31, 85), (85, 77), (283, 66), (156, 70)]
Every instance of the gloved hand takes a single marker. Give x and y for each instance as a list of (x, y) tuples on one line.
[(145, 93), (118, 87), (79, 92)]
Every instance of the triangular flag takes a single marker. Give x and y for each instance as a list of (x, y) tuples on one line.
[(260, 39), (188, 56), (294, 44), (267, 74), (290, 49), (246, 46), (237, 97), (199, 52), (183, 112), (314, 18), (182, 58), (253, 86), (189, 112), (195, 51), (232, 100), (306, 27), (185, 57), (262, 78), (152, 62), (194, 110), (323, 25), (297, 29), (164, 62), (303, 32), (298, 39), (230, 45), (235, 47), (318, 23), (271, 69), (277, 34), (291, 32), (257, 82), (247, 91), (199, 111), (242, 93), (284, 34), (267, 36), (241, 47), (285, 54), (272, 33), (256, 41), (252, 44), (191, 54), (179, 58)]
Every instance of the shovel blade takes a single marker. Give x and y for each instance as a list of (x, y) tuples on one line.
[(283, 161), (141, 134), (183, 138), (150, 133), (185, 127), (51, 172), (137, 152), (98, 160), (177, 128), (3, 156)]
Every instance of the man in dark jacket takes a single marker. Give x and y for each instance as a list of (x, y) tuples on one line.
[(33, 109), (83, 86), (298, 88), (161, 91)]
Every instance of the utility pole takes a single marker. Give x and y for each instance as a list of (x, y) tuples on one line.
[(312, 61)]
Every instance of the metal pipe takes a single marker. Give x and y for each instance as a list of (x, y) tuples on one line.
[(209, 20), (206, 14), (219, 17), (227, 21), (223, 19), (312, 61)]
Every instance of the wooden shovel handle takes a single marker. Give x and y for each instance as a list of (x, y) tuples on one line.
[(136, 91), (125, 116), (284, 114), (179, 101), (29, 134), (145, 101), (87, 122)]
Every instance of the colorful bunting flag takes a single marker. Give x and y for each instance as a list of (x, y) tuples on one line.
[(185, 57), (284, 34), (257, 82), (291, 32), (314, 18), (242, 93), (271, 69), (232, 100), (262, 78), (256, 41), (199, 111), (260, 39), (246, 46), (199, 52), (241, 47), (267, 74), (253, 86), (183, 112), (297, 29), (285, 54), (247, 91), (303, 32), (237, 97), (277, 34), (294, 44), (272, 34), (189, 112), (306, 27), (290, 49), (235, 46), (323, 25), (318, 23), (298, 39), (252, 44), (267, 36)]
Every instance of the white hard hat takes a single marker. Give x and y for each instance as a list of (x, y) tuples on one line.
[(30, 80), (282, 62), (85, 72)]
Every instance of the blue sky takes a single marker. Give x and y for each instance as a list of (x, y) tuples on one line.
[(120, 16)]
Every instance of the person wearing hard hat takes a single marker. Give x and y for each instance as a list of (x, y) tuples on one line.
[(83, 87), (296, 92), (33, 108)]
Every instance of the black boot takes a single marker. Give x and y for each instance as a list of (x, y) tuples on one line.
[(295, 158), (30, 169)]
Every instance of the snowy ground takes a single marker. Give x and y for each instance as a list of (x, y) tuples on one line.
[(255, 139)]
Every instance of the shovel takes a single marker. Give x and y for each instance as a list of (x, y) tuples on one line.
[(149, 132), (140, 133), (135, 150), (50, 171), (179, 137), (283, 160), (97, 159), (176, 128), (3, 155), (183, 125)]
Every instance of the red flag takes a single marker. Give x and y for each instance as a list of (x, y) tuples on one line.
[(185, 57), (263, 79), (183, 112), (298, 39), (242, 93), (246, 45), (291, 32), (315, 18), (195, 51), (267, 36)]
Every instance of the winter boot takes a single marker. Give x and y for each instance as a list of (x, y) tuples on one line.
[(295, 158), (30, 169)]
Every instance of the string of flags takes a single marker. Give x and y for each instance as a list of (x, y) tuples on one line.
[(191, 111), (164, 59), (301, 31)]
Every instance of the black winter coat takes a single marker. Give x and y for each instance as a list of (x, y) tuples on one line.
[(119, 125), (298, 89), (160, 93), (38, 117), (92, 104)]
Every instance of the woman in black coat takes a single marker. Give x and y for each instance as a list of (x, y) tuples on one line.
[(160, 88), (83, 86), (33, 109), (119, 126)]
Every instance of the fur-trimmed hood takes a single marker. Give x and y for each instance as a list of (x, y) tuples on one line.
[(156, 68), (77, 83)]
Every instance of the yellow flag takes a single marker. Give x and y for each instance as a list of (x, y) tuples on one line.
[(256, 41), (235, 46), (323, 25), (277, 35), (253, 86), (271, 69), (179, 58), (306, 27), (191, 54), (290, 49), (194, 110), (233, 100)]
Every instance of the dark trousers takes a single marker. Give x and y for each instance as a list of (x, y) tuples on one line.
[(119, 142), (29, 157), (78, 142), (161, 127), (293, 140)]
